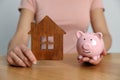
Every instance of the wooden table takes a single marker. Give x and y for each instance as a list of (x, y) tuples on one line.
[(67, 69)]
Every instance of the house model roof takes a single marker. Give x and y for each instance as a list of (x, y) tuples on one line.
[(46, 26)]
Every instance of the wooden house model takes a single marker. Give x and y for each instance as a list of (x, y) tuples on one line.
[(47, 40)]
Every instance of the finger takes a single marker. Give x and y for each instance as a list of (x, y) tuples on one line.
[(20, 54), (95, 62), (17, 60), (28, 53), (79, 60), (10, 61), (104, 52), (86, 59)]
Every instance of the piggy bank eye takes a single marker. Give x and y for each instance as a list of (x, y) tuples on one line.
[(91, 39), (84, 39)]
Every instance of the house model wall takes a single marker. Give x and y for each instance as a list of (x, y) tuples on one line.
[(47, 40)]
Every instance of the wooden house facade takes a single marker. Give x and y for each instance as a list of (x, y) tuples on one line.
[(47, 40)]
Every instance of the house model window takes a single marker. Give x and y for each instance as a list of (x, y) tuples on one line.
[(47, 40)]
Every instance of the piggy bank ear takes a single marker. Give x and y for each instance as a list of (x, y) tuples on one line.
[(99, 35), (79, 34)]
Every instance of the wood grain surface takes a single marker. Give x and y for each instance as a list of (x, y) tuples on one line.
[(66, 69)]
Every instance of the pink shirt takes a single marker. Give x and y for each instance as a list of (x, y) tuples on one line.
[(70, 15)]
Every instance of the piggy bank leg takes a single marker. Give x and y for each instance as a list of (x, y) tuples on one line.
[(96, 57), (80, 57)]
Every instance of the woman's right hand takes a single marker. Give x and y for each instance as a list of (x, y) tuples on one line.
[(21, 56)]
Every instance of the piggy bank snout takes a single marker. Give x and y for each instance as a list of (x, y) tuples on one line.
[(86, 46)]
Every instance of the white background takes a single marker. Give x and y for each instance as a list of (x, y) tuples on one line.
[(9, 17)]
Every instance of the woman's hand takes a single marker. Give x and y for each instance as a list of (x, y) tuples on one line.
[(21, 56), (18, 53), (92, 61)]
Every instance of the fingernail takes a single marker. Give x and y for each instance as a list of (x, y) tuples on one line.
[(35, 62), (23, 65)]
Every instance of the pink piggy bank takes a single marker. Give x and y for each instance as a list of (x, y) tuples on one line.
[(89, 45)]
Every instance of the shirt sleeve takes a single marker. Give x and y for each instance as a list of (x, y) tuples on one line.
[(97, 4), (28, 4)]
